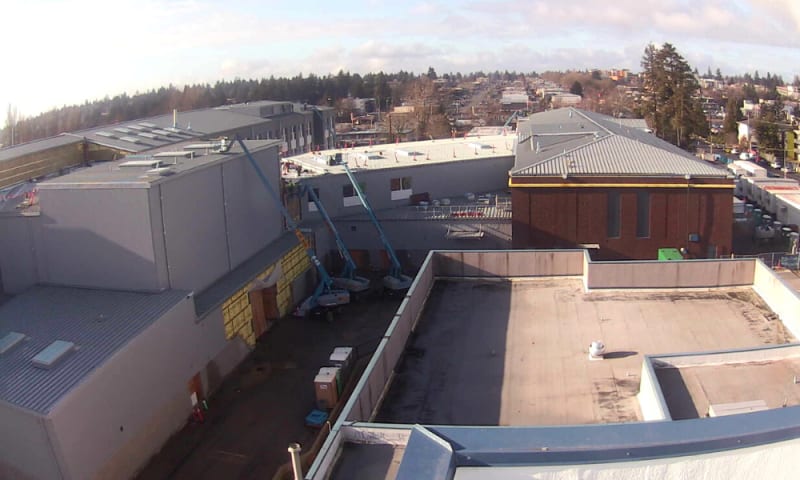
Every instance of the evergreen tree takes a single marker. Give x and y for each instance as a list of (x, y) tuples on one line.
[(670, 101), (576, 88), (732, 116), (767, 128)]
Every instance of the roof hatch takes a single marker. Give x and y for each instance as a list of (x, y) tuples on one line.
[(10, 341), (53, 354)]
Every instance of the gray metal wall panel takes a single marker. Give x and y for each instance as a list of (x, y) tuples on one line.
[(440, 180), (17, 253), (253, 219), (99, 238), (194, 228), (157, 231), (422, 234), (136, 389), (25, 451)]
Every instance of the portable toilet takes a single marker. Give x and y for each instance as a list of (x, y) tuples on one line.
[(326, 390), (342, 357)]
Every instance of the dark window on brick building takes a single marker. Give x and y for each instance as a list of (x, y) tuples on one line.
[(642, 214), (613, 214)]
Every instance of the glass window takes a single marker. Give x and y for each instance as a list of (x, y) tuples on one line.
[(613, 214), (403, 183), (643, 214)]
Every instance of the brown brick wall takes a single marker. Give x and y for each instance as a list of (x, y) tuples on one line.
[(564, 217)]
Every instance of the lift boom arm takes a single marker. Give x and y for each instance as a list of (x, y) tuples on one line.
[(395, 270), (349, 264), (325, 280)]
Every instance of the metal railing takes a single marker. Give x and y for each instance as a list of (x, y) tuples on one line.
[(785, 260)]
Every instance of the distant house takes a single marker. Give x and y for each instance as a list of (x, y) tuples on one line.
[(746, 131), (565, 99), (585, 179)]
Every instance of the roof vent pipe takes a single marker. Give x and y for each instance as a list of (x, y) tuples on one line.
[(174, 118), (597, 350), (297, 467)]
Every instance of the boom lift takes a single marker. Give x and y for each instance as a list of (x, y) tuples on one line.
[(395, 280), (514, 115), (325, 295), (348, 278)]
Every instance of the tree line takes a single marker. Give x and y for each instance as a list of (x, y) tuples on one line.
[(386, 88)]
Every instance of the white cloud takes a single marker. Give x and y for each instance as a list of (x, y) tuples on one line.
[(65, 52)]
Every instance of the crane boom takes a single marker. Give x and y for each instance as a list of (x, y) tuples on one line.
[(397, 280), (349, 265), (325, 287)]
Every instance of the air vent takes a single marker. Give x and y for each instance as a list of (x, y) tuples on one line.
[(140, 163), (163, 171), (10, 341), (182, 153), (53, 354)]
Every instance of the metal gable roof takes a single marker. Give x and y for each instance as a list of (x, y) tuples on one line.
[(98, 322), (617, 155), (575, 142)]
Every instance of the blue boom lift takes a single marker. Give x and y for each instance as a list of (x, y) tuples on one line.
[(395, 280), (348, 278), (325, 296)]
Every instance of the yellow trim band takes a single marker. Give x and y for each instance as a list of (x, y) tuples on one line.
[(619, 185)]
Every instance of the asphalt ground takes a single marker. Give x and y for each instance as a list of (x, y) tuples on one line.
[(260, 408)]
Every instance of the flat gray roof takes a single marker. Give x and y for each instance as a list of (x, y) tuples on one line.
[(516, 353), (105, 174), (406, 154), (98, 322)]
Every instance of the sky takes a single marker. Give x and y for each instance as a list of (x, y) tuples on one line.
[(57, 53)]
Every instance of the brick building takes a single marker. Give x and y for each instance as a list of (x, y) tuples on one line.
[(582, 178)]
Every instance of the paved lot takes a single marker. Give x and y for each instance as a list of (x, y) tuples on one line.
[(261, 408), (489, 353)]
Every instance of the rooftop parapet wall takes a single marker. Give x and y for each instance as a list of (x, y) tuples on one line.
[(508, 263), (666, 274), (781, 298)]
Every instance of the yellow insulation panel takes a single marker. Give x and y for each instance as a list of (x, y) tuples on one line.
[(237, 315)]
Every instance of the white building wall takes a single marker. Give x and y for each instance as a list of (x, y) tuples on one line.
[(24, 447), (774, 461), (97, 238), (252, 219), (17, 253), (112, 423), (193, 208)]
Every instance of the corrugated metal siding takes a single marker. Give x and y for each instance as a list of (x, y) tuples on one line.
[(99, 322)]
